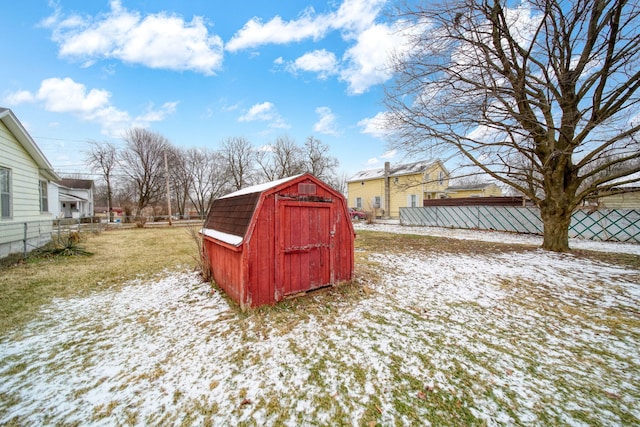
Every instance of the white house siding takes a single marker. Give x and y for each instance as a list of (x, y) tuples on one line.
[(54, 195), (25, 198)]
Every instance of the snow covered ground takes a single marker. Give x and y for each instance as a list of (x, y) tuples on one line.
[(498, 237), (516, 338)]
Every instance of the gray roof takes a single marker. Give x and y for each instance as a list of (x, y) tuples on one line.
[(634, 176), (84, 184), (405, 169), (470, 186)]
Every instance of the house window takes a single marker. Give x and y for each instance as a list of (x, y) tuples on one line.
[(413, 200), (358, 202), (44, 198), (376, 202), (5, 193), (441, 178)]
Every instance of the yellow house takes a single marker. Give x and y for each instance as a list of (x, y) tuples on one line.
[(384, 191), (473, 190)]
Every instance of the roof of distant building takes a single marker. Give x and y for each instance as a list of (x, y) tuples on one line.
[(85, 184), (399, 170), (477, 186)]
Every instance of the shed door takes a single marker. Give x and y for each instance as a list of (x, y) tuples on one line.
[(303, 246)]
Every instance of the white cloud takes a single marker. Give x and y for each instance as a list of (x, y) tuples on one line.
[(265, 112), (386, 155), (353, 16), (92, 105), (156, 40), (326, 124), (389, 154), (278, 31), (375, 126), (367, 60), (19, 97), (67, 96), (321, 61), (155, 115)]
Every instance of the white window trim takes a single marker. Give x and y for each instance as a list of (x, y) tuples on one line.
[(44, 195), (10, 193)]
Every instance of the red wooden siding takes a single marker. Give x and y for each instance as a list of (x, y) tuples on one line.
[(226, 266), (304, 245), (299, 238)]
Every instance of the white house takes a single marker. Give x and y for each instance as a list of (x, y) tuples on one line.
[(25, 177), (75, 198)]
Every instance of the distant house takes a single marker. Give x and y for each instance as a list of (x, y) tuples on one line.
[(624, 196), (75, 198), (385, 190), (473, 190), (25, 178)]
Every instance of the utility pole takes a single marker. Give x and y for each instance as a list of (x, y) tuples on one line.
[(166, 174)]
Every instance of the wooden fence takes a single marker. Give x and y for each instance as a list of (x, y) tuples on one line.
[(618, 225)]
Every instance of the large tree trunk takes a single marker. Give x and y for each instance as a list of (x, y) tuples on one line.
[(556, 220)]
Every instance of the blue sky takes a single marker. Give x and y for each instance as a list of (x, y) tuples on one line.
[(198, 72)]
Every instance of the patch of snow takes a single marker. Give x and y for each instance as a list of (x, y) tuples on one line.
[(231, 239), (497, 236), (259, 188), (526, 337)]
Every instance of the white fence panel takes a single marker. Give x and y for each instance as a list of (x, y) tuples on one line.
[(619, 225)]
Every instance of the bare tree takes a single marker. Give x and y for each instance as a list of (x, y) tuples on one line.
[(143, 163), (180, 178), (542, 95), (238, 154), (339, 182), (318, 161), (103, 158), (208, 175), (281, 159)]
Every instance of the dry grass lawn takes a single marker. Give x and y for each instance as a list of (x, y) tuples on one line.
[(118, 256)]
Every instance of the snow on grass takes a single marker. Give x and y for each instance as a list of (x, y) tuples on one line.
[(498, 236), (525, 337)]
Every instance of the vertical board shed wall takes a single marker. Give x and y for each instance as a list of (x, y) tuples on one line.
[(227, 271), (261, 254)]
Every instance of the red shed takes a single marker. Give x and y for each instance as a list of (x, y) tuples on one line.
[(277, 239)]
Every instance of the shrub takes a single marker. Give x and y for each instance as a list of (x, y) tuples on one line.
[(67, 245)]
